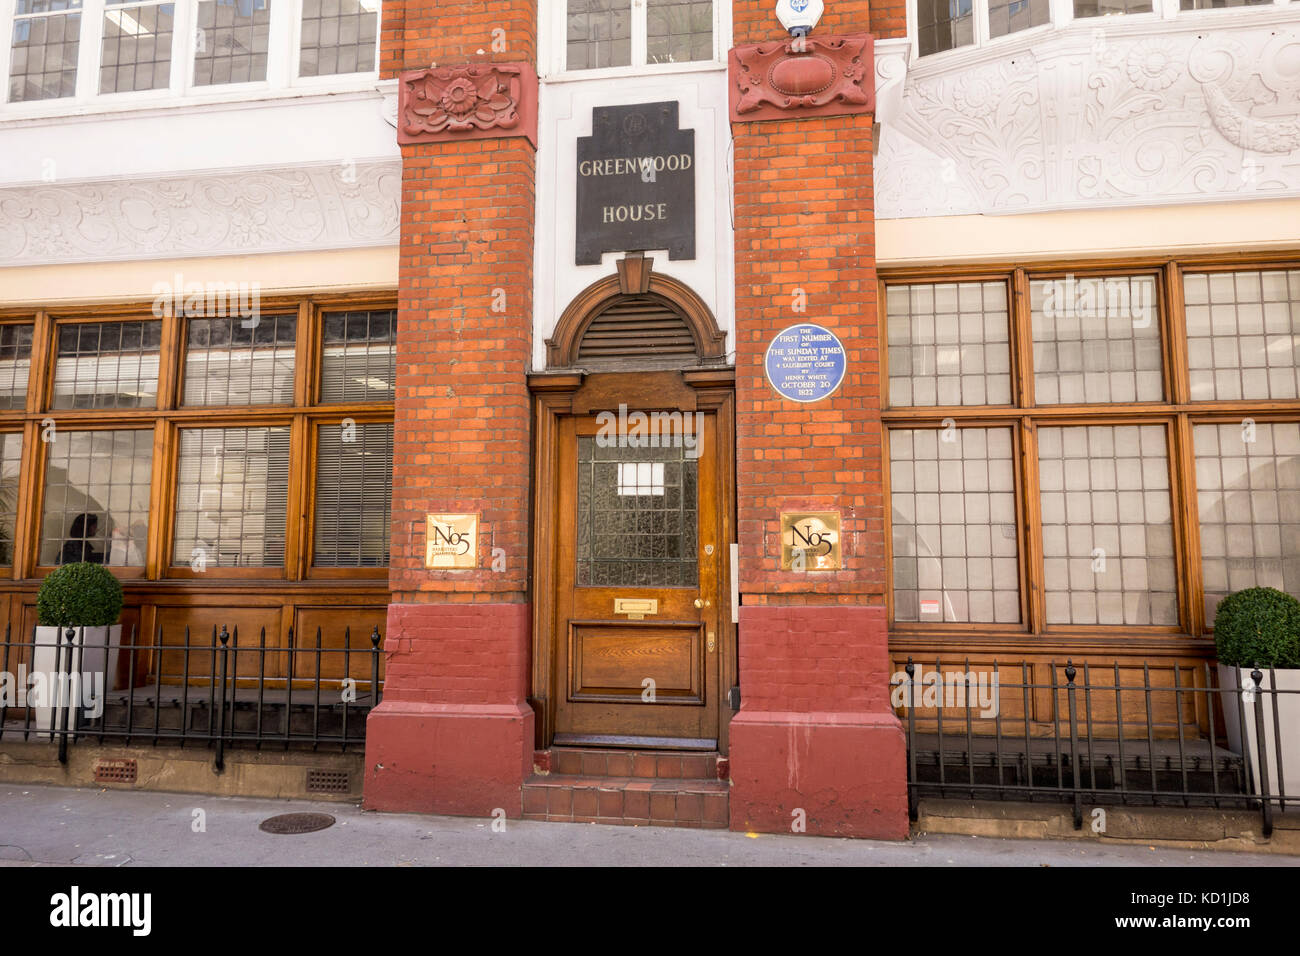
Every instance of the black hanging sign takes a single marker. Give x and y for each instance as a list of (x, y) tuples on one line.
[(636, 183)]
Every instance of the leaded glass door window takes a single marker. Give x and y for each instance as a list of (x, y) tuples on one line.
[(637, 516)]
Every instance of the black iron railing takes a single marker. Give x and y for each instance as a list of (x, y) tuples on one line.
[(189, 691), (1088, 737)]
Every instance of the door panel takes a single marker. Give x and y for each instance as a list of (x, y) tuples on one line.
[(613, 661), (637, 604)]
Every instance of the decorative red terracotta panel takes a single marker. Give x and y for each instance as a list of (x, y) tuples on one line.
[(820, 76), (467, 101)]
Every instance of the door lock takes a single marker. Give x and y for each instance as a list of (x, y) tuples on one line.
[(712, 643)]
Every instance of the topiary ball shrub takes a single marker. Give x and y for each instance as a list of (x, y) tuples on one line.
[(79, 595), (1258, 627)]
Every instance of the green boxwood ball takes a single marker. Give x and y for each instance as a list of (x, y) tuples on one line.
[(79, 595), (1258, 627)]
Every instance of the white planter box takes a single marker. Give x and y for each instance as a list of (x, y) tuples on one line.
[(93, 656), (1288, 718)]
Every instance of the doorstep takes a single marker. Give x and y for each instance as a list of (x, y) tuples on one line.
[(628, 787)]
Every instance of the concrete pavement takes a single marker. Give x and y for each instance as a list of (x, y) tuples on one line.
[(58, 825)]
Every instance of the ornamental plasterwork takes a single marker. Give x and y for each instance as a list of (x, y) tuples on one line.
[(1087, 119), (331, 206)]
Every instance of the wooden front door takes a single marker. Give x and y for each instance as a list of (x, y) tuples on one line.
[(640, 598)]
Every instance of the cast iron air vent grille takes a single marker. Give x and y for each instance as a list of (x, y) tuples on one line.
[(636, 325), (115, 771), (328, 781)]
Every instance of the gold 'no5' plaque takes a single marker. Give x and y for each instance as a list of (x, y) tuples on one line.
[(451, 541), (810, 541)]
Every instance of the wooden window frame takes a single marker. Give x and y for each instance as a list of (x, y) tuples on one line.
[(168, 419), (1176, 413)]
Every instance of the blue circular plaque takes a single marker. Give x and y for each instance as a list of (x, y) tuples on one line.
[(805, 363)]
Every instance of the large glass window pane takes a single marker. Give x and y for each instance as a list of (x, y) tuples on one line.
[(136, 50), (1248, 497), (338, 36), (231, 41), (952, 494), (11, 459), (231, 497), (1096, 340), (1243, 334), (1108, 539), (107, 364), (944, 25), (599, 33), (97, 497), (15, 364), (43, 60), (949, 344), (354, 488), (679, 31), (1012, 16), (228, 364), (359, 361), (1106, 8)]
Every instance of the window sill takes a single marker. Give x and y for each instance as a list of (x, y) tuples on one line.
[(47, 112)]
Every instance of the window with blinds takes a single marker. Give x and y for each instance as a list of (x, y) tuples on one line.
[(359, 356), (97, 497), (228, 364), (15, 364), (231, 497), (107, 365), (354, 490), (11, 459)]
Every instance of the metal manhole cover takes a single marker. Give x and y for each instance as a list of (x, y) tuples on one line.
[(297, 823)]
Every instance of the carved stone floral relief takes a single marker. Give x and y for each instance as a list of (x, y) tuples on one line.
[(254, 211), (1088, 120)]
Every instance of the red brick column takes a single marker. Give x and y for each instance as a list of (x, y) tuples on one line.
[(454, 733), (815, 741)]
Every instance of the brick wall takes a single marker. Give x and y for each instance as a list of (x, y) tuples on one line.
[(889, 19), (805, 224), (462, 415), (754, 21), (454, 733), (417, 34)]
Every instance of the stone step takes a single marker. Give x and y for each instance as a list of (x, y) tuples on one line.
[(627, 801), (653, 764)]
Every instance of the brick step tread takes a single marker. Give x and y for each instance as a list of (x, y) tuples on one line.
[(626, 821), (626, 801), (599, 762), (645, 784)]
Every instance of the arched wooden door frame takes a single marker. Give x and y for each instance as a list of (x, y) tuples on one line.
[(705, 385), (636, 276)]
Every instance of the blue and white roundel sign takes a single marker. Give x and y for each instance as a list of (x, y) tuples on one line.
[(805, 363)]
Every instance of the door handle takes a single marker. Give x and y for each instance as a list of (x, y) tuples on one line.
[(700, 602)]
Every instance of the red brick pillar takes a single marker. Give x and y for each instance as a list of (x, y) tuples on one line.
[(815, 742), (454, 733)]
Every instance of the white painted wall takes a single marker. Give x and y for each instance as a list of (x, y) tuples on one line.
[(565, 114), (280, 132)]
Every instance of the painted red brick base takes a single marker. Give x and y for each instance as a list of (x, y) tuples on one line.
[(454, 733), (846, 768)]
